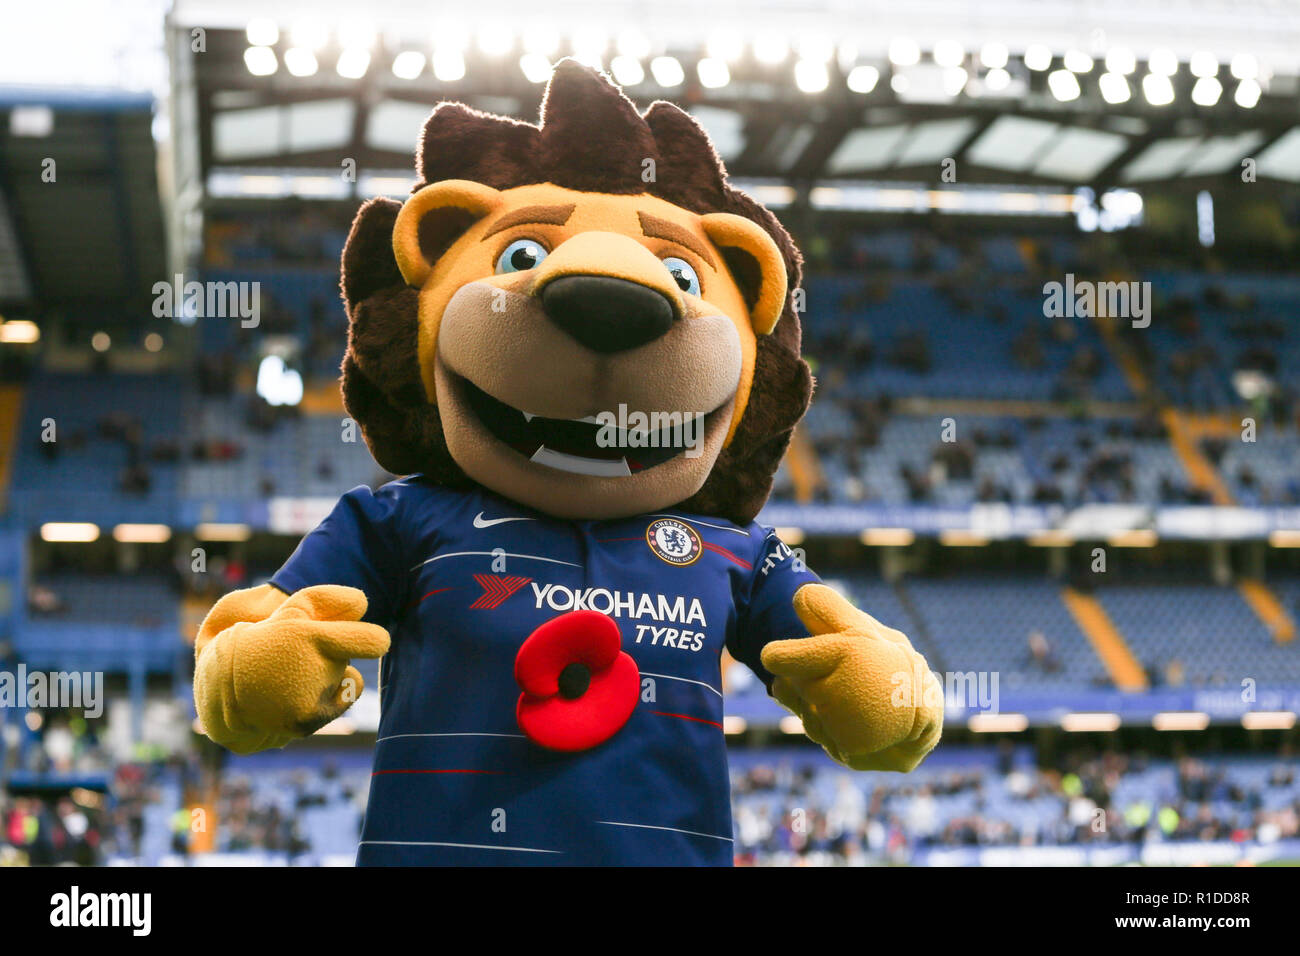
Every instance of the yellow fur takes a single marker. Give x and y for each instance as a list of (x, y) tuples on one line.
[(270, 668), (860, 689)]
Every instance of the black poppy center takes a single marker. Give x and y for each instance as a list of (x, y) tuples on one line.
[(574, 680)]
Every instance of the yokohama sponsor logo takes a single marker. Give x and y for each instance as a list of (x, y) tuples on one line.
[(628, 604), (496, 588)]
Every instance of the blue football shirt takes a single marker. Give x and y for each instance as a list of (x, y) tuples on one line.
[(460, 579)]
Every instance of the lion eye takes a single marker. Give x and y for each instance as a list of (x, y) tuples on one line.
[(683, 274), (520, 255)]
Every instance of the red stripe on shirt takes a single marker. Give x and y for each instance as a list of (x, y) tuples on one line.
[(719, 549), (698, 720)]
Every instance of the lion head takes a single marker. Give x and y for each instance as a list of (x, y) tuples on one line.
[(583, 315)]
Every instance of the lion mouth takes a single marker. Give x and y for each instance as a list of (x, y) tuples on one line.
[(585, 446)]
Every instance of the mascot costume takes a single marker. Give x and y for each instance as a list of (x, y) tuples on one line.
[(578, 343)]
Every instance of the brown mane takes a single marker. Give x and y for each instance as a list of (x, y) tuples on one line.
[(591, 139)]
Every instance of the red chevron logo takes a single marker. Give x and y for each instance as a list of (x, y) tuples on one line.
[(496, 588)]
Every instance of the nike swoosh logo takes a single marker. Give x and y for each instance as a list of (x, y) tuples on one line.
[(481, 522)]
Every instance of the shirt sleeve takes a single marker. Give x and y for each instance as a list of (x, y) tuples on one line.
[(767, 612), (358, 545)]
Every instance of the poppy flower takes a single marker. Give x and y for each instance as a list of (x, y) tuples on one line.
[(579, 687)]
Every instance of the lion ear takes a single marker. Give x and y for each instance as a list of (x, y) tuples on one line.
[(755, 263), (368, 263), (434, 218)]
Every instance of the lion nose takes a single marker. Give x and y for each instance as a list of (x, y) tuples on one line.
[(607, 314)]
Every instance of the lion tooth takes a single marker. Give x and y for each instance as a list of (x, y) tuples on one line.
[(528, 416), (577, 464)]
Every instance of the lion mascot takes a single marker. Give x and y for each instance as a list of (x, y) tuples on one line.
[(579, 344)]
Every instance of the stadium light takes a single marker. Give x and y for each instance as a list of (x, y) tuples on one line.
[(1247, 94), (899, 83), (300, 61), (954, 80), (862, 79), (633, 43), (1090, 723), (19, 332), (1157, 89), (994, 55), (101, 342), (958, 538), (308, 34), (819, 49), (1050, 539), (997, 723), (262, 32), (949, 53), (1268, 720), (408, 64), (142, 533), (536, 67), (1162, 62), (1285, 538), (451, 35), (627, 70), (215, 531), (542, 40), (495, 40), (589, 45), (1076, 61), (771, 48), (903, 51), (338, 727), (1244, 67), (260, 60), (713, 74), (726, 46), (1064, 85), (357, 33), (996, 80), (790, 724), (731, 724), (1207, 91), (811, 76), (667, 71), (887, 537), (1121, 60), (353, 63), (1038, 57), (1135, 538), (791, 536), (79, 532), (1181, 720), (1114, 88), (1204, 63), (448, 64)]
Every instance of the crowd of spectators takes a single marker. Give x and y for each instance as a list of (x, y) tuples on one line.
[(786, 814)]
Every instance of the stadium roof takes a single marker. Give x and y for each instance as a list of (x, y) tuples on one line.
[(799, 92), (82, 188)]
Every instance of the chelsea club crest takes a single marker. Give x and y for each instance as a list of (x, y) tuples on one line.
[(674, 542)]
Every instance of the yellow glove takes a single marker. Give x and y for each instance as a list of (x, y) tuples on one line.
[(860, 689), (271, 668)]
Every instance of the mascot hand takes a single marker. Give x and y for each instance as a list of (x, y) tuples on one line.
[(861, 690), (269, 669)]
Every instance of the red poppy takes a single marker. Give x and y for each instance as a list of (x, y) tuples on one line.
[(579, 687)]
